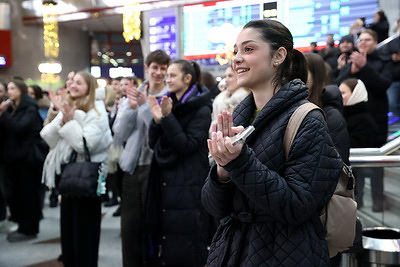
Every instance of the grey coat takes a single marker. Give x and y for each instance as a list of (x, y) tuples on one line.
[(135, 126)]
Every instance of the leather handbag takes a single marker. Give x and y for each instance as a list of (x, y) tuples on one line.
[(80, 179)]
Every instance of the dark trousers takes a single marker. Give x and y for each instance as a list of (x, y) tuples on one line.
[(3, 205), (132, 211), (114, 183), (80, 230), (376, 174), (22, 186)]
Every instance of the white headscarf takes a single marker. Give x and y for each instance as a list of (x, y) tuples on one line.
[(359, 94)]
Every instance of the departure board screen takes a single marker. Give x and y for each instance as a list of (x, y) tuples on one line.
[(311, 20), (212, 27), (162, 31)]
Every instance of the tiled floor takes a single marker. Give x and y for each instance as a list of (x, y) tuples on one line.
[(44, 250)]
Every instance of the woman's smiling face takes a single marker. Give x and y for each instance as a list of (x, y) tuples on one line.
[(79, 87), (252, 61), (176, 81)]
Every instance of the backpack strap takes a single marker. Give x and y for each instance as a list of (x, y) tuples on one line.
[(292, 128), (294, 123)]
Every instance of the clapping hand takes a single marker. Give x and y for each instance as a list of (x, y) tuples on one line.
[(56, 100), (341, 61), (160, 110), (4, 106), (359, 60), (67, 111), (220, 145), (137, 97)]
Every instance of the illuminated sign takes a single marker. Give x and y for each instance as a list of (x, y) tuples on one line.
[(120, 72), (162, 31), (270, 10), (211, 28), (3, 61), (310, 21)]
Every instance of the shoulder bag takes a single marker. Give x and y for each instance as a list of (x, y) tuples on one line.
[(80, 178)]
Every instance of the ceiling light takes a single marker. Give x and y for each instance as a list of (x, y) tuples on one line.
[(131, 23), (50, 67)]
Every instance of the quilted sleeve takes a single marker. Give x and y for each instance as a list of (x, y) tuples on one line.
[(338, 132), (217, 197), (187, 139), (306, 182)]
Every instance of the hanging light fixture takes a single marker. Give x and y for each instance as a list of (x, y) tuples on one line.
[(50, 31), (51, 66), (131, 22)]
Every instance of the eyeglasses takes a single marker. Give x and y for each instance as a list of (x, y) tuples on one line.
[(364, 40)]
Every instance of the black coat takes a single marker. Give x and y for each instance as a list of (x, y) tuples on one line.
[(360, 125), (332, 104), (268, 207), (381, 28), (3, 135), (178, 171), (22, 129), (387, 51), (377, 76), (332, 61)]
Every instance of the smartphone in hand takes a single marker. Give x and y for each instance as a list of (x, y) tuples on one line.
[(241, 137)]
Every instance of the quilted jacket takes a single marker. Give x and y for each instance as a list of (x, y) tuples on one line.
[(270, 207), (175, 217), (332, 105)]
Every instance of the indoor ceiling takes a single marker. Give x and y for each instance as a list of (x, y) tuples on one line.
[(93, 15), (112, 23)]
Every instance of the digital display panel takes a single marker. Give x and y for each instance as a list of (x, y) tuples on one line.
[(162, 31), (211, 28), (311, 20)]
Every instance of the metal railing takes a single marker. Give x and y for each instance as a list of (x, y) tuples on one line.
[(376, 157)]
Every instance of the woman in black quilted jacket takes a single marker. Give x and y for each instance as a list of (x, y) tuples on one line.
[(269, 205), (175, 219)]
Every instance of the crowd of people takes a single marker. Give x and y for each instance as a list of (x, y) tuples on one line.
[(165, 148)]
